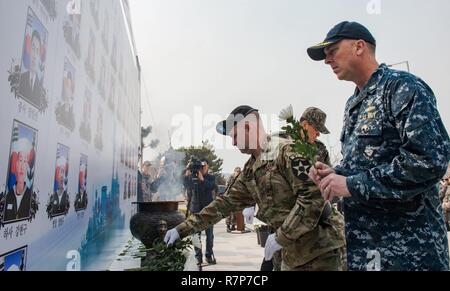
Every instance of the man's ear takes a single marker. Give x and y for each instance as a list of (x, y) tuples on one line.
[(361, 46)]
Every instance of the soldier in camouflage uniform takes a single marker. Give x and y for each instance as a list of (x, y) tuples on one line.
[(313, 121), (275, 177), (395, 150)]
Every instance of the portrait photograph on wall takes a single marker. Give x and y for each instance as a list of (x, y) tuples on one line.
[(17, 203), (64, 108), (14, 260), (32, 73), (112, 93), (81, 200), (85, 126), (89, 63), (71, 27), (101, 84), (59, 201)]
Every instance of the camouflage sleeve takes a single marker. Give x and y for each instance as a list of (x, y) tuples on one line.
[(447, 195), (442, 192), (236, 198), (322, 153), (423, 157), (309, 205)]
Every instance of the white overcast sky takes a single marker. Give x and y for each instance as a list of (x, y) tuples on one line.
[(210, 56)]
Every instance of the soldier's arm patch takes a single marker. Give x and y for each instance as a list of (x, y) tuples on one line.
[(300, 168)]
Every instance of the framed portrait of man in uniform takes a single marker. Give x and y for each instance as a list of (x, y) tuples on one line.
[(71, 29), (59, 202), (64, 108), (32, 70), (101, 84), (89, 63), (85, 126), (81, 199), (20, 179), (14, 260), (112, 93)]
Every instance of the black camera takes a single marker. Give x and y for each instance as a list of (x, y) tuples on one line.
[(195, 166)]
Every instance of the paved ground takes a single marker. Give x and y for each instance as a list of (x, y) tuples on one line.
[(235, 251), (125, 259)]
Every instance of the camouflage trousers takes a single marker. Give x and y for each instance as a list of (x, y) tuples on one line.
[(330, 261)]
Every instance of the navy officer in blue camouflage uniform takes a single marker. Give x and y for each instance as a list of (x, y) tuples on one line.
[(395, 150)]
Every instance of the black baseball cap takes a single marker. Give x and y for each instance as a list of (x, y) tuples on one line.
[(238, 114), (343, 30)]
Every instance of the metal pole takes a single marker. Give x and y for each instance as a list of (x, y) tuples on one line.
[(404, 62)]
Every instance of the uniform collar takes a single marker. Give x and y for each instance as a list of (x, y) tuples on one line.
[(271, 148), (24, 190), (269, 152), (370, 87)]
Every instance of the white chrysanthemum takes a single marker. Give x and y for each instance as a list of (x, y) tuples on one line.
[(286, 113)]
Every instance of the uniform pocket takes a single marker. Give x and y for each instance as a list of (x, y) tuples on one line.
[(370, 138)]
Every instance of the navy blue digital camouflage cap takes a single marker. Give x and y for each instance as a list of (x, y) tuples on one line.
[(343, 30), (239, 113)]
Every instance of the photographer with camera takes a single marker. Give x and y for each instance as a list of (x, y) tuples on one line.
[(200, 185)]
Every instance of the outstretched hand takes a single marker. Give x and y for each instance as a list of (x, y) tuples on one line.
[(319, 171)]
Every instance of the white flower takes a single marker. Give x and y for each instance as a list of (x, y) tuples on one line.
[(286, 113)]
